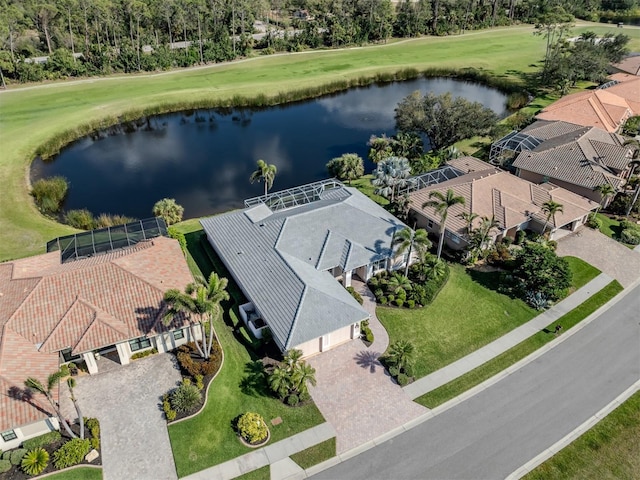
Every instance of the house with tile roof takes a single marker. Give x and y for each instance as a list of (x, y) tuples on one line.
[(83, 310), (629, 65), (573, 157), (515, 203), (289, 251), (604, 108)]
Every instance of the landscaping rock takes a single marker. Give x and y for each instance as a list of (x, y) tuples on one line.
[(92, 455)]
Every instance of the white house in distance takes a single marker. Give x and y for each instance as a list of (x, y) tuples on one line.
[(515, 203), (287, 251), (89, 302)]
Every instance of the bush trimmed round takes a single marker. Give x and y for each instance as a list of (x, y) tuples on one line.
[(252, 428)]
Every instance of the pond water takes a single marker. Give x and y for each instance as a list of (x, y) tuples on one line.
[(204, 159)]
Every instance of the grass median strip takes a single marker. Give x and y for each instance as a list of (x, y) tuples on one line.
[(489, 369), (609, 450), (316, 454)]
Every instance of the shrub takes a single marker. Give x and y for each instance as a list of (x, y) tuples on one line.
[(411, 303), (630, 236), (71, 453), (81, 219), (6, 456), (95, 443), (93, 425), (520, 236), (399, 302), (537, 300), (5, 466), (594, 222), (199, 381), (188, 364), (185, 398), (42, 440), (517, 100), (49, 193), (16, 456), (394, 371), (293, 400), (35, 461), (179, 236), (252, 428), (355, 295), (552, 244), (403, 379), (143, 354), (383, 300)]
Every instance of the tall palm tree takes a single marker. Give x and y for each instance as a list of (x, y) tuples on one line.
[(352, 167), (441, 203), (264, 173), (480, 235), (302, 375), (605, 190), (390, 174), (47, 390), (200, 300), (551, 208), (401, 354), (280, 381), (71, 383), (634, 163), (408, 240)]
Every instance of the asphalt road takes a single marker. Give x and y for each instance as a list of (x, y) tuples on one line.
[(498, 430)]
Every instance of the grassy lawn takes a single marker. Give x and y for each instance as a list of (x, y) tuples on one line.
[(364, 185), (82, 473), (465, 316), (316, 454), (583, 272), (208, 438), (611, 228), (32, 116), (263, 473), (520, 351), (608, 451)]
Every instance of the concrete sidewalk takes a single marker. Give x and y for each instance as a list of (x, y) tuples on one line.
[(504, 343), (276, 455)]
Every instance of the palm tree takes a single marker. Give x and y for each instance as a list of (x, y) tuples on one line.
[(280, 381), (605, 190), (390, 174), (635, 162), (52, 381), (264, 173), (348, 166), (292, 359), (551, 208), (408, 240), (480, 235), (433, 266), (397, 282), (201, 300), (302, 375), (401, 354), (169, 210), (71, 383), (468, 219), (441, 204)]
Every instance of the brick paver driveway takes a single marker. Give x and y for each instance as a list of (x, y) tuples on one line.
[(354, 393), (135, 442), (609, 256)]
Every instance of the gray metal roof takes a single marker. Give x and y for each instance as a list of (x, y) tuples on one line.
[(280, 259)]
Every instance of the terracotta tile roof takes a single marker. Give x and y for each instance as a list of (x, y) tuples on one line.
[(606, 109), (87, 304), (588, 157), (470, 164), (546, 129), (510, 199), (630, 65)]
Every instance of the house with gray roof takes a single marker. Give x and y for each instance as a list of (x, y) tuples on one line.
[(293, 253), (573, 157)]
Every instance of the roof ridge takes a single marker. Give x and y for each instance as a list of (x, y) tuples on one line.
[(99, 310), (297, 314), (64, 318), (24, 300), (324, 248), (92, 326), (349, 246)]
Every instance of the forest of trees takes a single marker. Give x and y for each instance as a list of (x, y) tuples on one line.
[(98, 37)]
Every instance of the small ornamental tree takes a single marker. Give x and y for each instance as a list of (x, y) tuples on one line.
[(540, 270), (35, 461), (252, 428), (169, 210), (346, 167)]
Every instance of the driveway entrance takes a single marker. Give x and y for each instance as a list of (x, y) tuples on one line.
[(135, 442), (354, 393)]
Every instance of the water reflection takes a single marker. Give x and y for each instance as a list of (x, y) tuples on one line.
[(204, 158)]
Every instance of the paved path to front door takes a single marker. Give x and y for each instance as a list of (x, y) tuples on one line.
[(354, 393), (135, 442), (609, 256)]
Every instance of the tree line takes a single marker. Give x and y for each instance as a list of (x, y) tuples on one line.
[(97, 37)]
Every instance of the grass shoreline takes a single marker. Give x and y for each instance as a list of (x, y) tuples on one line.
[(32, 117)]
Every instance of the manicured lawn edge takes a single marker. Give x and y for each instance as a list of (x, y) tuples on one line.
[(607, 450), (501, 362), (316, 454), (262, 473), (77, 472), (582, 272)]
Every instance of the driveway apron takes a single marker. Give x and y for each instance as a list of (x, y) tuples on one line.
[(354, 393), (609, 256), (135, 441)]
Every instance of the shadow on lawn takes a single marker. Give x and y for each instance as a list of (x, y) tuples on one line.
[(254, 383), (491, 280)]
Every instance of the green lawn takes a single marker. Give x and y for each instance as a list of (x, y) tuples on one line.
[(32, 116), (82, 473), (501, 362), (208, 438), (263, 473), (582, 271), (465, 316), (611, 228), (316, 454), (610, 450), (364, 185)]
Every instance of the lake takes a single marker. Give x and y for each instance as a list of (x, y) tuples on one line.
[(204, 159)]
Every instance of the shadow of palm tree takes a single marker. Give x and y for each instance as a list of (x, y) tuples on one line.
[(367, 359), (254, 383)]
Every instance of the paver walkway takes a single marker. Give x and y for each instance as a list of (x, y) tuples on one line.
[(354, 393), (504, 343), (604, 253), (135, 442)]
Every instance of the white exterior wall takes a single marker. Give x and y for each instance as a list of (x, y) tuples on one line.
[(333, 339), (31, 430)]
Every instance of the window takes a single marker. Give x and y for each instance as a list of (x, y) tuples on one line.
[(380, 265), (139, 344), (178, 334), (429, 223), (9, 435)]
